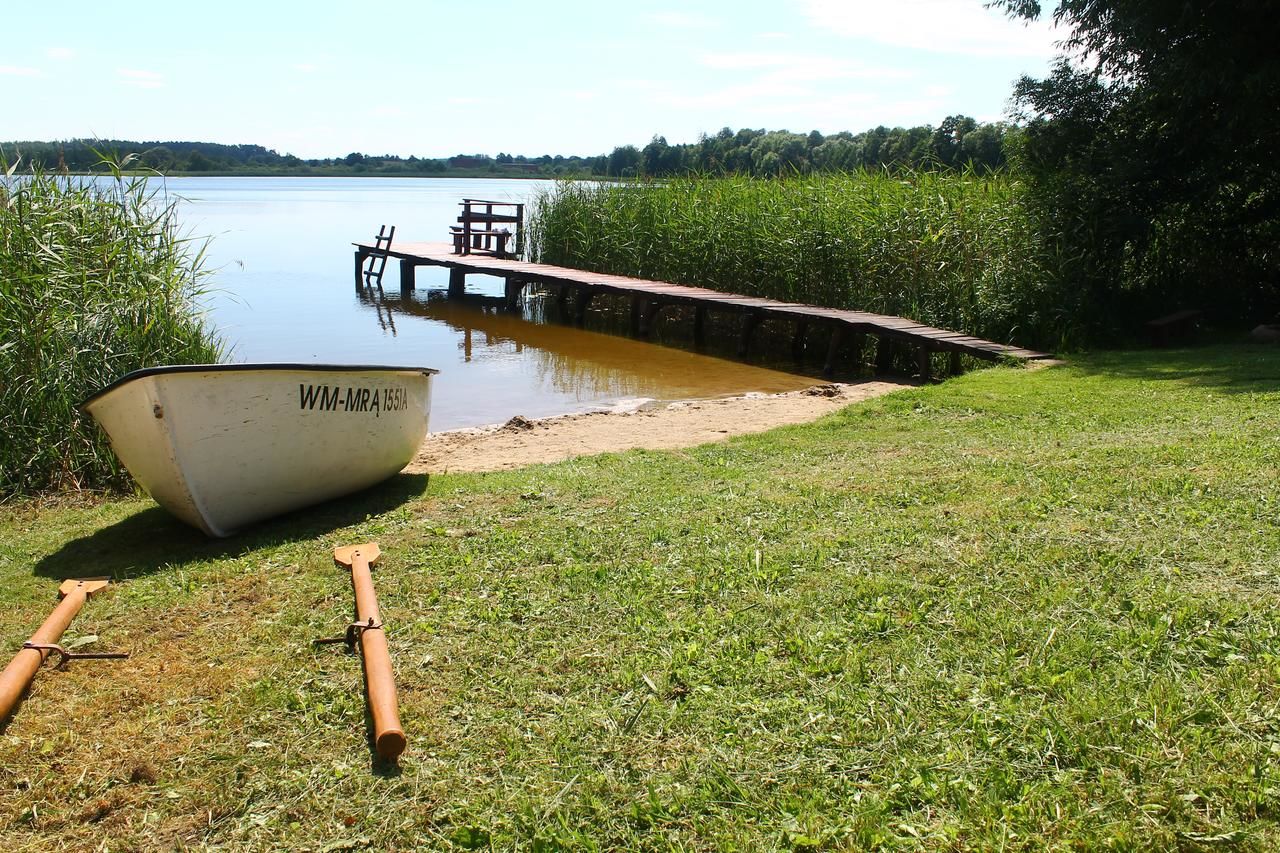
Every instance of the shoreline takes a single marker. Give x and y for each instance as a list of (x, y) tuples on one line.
[(664, 426)]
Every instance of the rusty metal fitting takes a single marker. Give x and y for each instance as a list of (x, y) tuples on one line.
[(354, 630), (65, 656)]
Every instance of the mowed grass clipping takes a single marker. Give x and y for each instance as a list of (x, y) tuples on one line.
[(1019, 610)]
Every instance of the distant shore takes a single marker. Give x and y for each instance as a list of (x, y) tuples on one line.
[(345, 173)]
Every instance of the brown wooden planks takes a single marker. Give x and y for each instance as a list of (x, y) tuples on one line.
[(898, 328)]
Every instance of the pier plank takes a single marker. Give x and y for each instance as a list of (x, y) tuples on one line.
[(900, 329)]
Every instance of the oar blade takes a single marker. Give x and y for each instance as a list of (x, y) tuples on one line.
[(89, 585), (346, 555)]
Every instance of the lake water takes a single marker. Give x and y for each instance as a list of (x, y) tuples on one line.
[(283, 291)]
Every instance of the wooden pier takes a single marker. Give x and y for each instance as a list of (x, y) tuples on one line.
[(648, 298)]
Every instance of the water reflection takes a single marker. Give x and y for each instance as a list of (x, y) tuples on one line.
[(579, 362), (282, 292), (386, 320)]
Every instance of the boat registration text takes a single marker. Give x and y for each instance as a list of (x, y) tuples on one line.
[(336, 398)]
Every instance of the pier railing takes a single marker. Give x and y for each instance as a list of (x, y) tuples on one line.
[(480, 231)]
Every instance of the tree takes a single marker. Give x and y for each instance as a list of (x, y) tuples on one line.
[(983, 148), (160, 158), (1155, 147), (837, 155), (654, 155), (947, 142), (624, 161)]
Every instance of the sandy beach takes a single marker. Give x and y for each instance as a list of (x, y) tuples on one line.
[(522, 441)]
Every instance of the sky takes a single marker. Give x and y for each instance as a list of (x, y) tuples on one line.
[(433, 79)]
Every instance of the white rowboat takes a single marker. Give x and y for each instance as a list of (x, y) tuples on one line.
[(222, 446)]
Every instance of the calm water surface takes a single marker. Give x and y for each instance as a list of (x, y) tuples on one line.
[(283, 291)]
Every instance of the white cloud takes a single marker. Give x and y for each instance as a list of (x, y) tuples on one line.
[(795, 67), (941, 26), (683, 20), (20, 71), (305, 68), (636, 85), (780, 82), (141, 79), (847, 111), (60, 53), (734, 96)]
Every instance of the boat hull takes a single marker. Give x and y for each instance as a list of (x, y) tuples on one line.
[(223, 446)]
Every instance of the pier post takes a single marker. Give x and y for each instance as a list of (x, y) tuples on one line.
[(884, 354), (749, 322), (699, 325), (924, 359), (361, 254), (407, 276), (798, 340), (637, 308), (651, 309), (511, 290), (581, 305), (833, 351), (859, 346), (562, 300), (956, 366), (457, 282)]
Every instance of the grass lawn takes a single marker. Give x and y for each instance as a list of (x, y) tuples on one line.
[(1018, 610)]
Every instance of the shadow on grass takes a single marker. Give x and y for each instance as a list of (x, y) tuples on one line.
[(151, 540), (1226, 367)]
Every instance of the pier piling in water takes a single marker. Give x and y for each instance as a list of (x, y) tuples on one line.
[(457, 282), (649, 298)]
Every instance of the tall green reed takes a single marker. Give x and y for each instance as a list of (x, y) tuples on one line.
[(95, 280), (958, 251)]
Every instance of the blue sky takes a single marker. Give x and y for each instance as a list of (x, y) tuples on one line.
[(433, 79)]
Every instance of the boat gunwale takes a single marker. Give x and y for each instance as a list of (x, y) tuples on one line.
[(164, 369)]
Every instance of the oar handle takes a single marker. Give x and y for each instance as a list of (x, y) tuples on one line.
[(379, 679)]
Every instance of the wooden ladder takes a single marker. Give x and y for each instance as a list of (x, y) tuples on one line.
[(378, 257)]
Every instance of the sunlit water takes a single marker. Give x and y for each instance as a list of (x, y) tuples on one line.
[(283, 291)]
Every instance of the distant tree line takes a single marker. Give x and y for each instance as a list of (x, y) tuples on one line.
[(958, 142), (82, 155)]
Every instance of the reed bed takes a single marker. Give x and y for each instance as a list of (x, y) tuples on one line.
[(958, 251), (95, 280)]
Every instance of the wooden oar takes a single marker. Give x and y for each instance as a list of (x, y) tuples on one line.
[(20, 672), (380, 682)]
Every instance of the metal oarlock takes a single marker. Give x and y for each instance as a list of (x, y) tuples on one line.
[(17, 676), (388, 735), (352, 636), (65, 656)]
